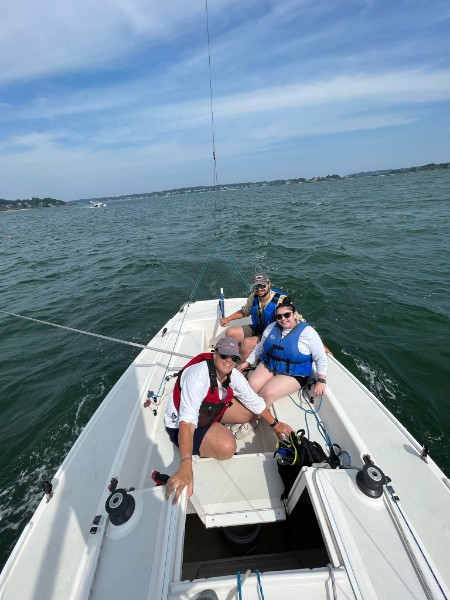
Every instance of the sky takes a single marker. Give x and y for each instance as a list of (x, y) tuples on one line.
[(102, 98)]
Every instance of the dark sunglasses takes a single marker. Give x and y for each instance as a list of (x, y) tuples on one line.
[(259, 286), (285, 315), (233, 357)]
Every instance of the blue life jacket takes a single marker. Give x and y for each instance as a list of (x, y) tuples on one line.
[(260, 321), (282, 355)]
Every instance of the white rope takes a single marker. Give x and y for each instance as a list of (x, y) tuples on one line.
[(97, 335), (333, 581)]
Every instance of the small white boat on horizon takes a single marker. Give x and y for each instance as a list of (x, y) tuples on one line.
[(97, 204), (105, 530)]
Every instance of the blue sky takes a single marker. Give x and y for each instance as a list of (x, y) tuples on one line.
[(110, 97)]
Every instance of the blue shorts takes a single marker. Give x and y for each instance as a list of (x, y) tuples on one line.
[(199, 434)]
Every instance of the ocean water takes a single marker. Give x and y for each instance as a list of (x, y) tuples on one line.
[(365, 260)]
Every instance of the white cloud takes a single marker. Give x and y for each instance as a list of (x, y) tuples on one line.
[(121, 86), (39, 39)]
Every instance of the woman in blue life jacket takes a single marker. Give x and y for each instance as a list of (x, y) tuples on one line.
[(287, 350), (209, 393)]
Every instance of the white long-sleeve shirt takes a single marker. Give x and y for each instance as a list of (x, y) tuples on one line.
[(309, 342), (195, 384)]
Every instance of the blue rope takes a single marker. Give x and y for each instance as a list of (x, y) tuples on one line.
[(239, 585), (258, 575), (320, 426)]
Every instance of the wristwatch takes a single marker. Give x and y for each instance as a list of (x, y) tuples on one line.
[(321, 380), (274, 423)]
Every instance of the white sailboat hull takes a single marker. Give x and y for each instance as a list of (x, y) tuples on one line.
[(369, 548)]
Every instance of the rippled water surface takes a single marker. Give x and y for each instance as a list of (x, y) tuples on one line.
[(366, 261)]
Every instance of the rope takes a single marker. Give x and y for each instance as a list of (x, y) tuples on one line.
[(333, 581), (97, 335), (320, 426), (237, 589), (311, 411), (258, 576)]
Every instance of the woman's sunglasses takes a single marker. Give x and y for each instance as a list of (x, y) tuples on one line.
[(233, 357), (285, 315)]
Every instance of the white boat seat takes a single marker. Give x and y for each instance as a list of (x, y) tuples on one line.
[(243, 490)]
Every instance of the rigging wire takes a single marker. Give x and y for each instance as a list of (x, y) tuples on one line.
[(97, 335), (202, 272), (215, 179)]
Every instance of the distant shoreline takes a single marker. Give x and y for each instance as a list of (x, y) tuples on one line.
[(6, 205), (253, 184)]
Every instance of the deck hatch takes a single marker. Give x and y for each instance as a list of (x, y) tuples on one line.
[(246, 489)]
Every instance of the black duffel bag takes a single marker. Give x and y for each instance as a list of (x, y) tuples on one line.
[(297, 452)]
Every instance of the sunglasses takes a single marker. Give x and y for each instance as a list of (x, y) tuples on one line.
[(283, 315), (233, 357), (259, 286)]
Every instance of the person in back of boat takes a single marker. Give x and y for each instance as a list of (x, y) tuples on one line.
[(260, 306), (209, 393), (288, 349)]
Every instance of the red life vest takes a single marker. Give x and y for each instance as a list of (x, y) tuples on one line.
[(212, 407)]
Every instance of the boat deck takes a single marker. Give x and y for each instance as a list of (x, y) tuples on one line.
[(330, 535)]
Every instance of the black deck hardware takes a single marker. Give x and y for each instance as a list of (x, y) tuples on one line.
[(120, 506), (370, 480), (48, 489), (151, 396), (424, 454), (164, 331), (113, 484)]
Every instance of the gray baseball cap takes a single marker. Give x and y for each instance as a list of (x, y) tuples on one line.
[(228, 345)]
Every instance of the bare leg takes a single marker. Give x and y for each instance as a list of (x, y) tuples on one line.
[(237, 413), (236, 332), (218, 443), (278, 387), (260, 376), (247, 345)]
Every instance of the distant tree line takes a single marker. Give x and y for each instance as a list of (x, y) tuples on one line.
[(49, 202), (33, 203), (275, 182)]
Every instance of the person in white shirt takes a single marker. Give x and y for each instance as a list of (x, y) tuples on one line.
[(287, 350), (209, 394)]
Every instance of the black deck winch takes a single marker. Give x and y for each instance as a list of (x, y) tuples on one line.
[(120, 506), (370, 480)]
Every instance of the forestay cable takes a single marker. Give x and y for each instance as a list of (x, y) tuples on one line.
[(216, 196)]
